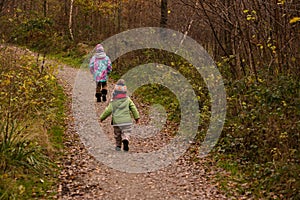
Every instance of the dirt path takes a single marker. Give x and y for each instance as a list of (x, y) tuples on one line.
[(83, 177)]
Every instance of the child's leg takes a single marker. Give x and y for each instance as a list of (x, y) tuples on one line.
[(118, 137), (98, 91), (126, 131), (104, 90)]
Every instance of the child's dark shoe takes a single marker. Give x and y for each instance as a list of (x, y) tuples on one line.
[(104, 93), (98, 96), (125, 145), (118, 148)]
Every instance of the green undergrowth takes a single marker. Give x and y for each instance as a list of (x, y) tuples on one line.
[(40, 34), (158, 94), (259, 144), (31, 126), (68, 58), (260, 140), (161, 94)]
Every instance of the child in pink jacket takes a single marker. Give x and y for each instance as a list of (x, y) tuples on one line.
[(100, 66)]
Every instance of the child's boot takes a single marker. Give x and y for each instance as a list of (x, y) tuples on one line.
[(104, 93), (125, 145), (98, 96)]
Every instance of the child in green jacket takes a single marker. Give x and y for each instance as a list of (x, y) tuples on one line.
[(121, 107)]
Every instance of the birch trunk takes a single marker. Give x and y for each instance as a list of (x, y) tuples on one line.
[(70, 20)]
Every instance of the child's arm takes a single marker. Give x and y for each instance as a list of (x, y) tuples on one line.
[(109, 66), (91, 65), (134, 111), (107, 112)]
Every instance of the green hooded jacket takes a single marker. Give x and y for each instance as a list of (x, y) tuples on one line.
[(120, 110)]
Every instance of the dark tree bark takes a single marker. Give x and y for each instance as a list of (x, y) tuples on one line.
[(1, 5), (45, 8), (120, 5), (164, 13)]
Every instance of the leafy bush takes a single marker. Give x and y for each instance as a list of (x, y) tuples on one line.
[(260, 141), (34, 33), (30, 99), (262, 133), (17, 150)]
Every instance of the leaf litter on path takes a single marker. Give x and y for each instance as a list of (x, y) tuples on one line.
[(83, 177)]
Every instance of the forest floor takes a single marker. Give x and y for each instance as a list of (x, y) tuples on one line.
[(83, 177)]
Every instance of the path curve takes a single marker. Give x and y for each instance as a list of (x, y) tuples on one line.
[(83, 177)]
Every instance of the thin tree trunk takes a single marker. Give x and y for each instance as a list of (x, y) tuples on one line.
[(66, 9), (164, 13), (1, 5), (232, 68), (70, 20), (45, 8), (119, 15)]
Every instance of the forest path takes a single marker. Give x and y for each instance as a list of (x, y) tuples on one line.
[(83, 177)]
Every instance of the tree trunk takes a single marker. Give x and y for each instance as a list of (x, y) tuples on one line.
[(70, 20), (45, 8), (119, 15), (1, 5), (164, 13)]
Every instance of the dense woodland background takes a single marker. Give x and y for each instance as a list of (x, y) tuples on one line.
[(251, 35), (256, 46)]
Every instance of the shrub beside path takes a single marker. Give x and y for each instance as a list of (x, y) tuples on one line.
[(83, 177)]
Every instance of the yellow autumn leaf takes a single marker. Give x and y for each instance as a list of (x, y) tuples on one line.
[(294, 20), (21, 189), (260, 80), (284, 103)]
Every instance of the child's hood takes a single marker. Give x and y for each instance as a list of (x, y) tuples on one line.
[(100, 55)]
